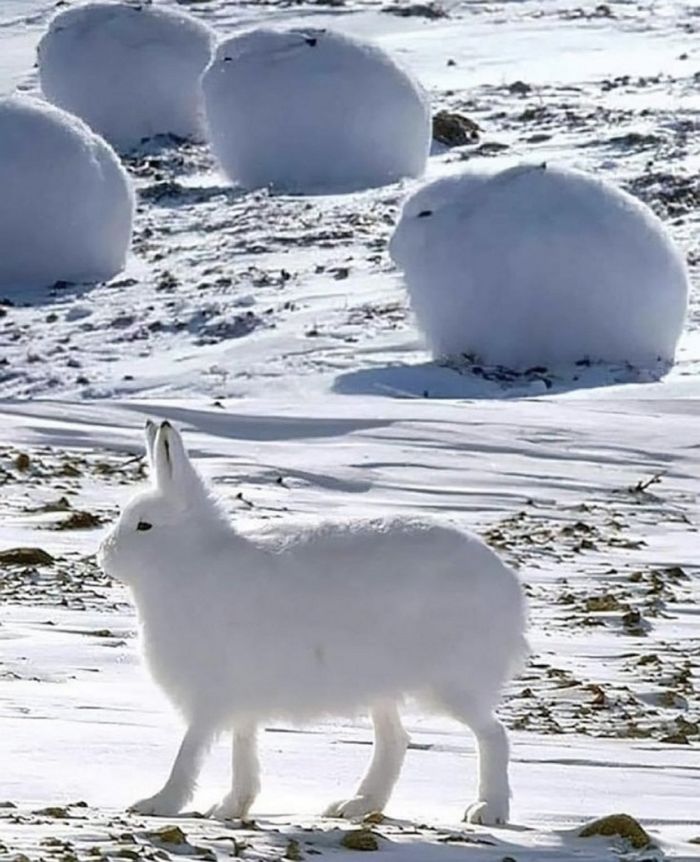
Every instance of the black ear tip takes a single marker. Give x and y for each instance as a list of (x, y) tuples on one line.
[(165, 424), (149, 424)]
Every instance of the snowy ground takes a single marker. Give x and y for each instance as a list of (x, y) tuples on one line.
[(275, 329)]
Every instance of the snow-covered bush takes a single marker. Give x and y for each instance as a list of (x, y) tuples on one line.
[(130, 71), (66, 204), (313, 111), (540, 266)]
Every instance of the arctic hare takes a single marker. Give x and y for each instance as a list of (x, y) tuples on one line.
[(313, 620)]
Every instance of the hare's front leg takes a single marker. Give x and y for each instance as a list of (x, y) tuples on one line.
[(246, 775), (390, 743), (179, 787)]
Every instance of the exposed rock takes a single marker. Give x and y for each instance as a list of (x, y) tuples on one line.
[(431, 11), (25, 557), (56, 811), (293, 851), (79, 521), (454, 130), (621, 825), (519, 88), (169, 835), (360, 839), (22, 462)]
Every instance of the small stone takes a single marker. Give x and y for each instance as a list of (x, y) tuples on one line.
[(519, 88), (293, 851), (22, 462), (675, 739), (79, 521), (432, 11), (56, 811), (633, 622), (360, 839), (169, 835), (621, 825), (454, 130), (601, 604), (25, 557), (671, 700)]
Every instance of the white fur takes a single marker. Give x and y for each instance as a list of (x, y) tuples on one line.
[(130, 71), (313, 619), (66, 202), (538, 265), (313, 111)]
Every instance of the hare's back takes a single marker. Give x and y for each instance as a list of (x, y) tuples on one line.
[(387, 554), (388, 605)]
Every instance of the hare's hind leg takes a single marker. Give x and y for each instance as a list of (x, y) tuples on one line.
[(493, 801), (246, 775), (390, 743), (179, 787)]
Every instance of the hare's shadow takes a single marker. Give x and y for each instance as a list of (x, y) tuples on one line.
[(472, 381)]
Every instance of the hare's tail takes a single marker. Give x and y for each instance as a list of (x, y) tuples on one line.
[(521, 653)]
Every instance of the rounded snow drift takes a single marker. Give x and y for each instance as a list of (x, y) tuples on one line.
[(313, 111), (67, 206), (130, 71), (540, 266)]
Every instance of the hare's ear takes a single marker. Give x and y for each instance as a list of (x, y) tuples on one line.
[(173, 468), (150, 432)]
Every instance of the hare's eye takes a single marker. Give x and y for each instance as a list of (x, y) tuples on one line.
[(142, 526), (425, 213)]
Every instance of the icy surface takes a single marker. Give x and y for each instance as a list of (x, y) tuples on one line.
[(131, 71), (312, 110), (66, 206), (538, 266)]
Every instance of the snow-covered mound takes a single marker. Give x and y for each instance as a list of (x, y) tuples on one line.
[(66, 203), (313, 111), (540, 266), (130, 71)]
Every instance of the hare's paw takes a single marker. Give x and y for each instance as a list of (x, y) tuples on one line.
[(355, 808), (163, 804), (232, 807), (493, 812)]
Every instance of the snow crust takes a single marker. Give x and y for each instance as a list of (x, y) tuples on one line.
[(130, 71), (67, 205), (540, 266), (312, 110)]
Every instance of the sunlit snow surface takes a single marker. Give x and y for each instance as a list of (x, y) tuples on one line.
[(276, 331)]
